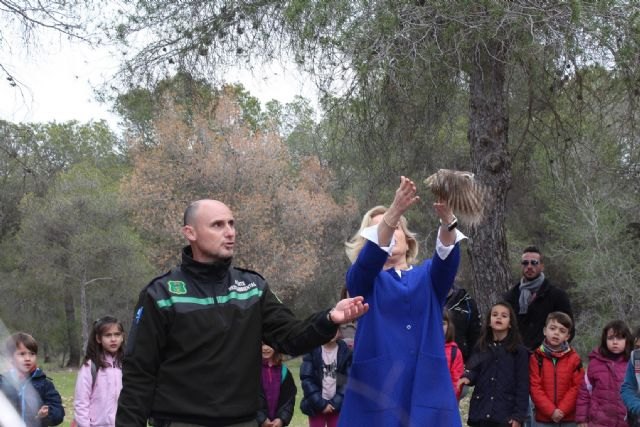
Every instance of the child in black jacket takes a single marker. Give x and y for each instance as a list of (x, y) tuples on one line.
[(324, 375), (499, 371)]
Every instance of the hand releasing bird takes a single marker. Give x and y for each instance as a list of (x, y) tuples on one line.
[(462, 192)]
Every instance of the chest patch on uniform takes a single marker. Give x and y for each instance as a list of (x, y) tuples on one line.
[(177, 287)]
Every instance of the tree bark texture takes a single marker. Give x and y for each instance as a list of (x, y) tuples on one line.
[(491, 162)]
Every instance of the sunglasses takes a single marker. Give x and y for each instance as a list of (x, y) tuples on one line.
[(533, 262)]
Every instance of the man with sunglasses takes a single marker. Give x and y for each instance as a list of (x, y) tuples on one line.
[(534, 297)]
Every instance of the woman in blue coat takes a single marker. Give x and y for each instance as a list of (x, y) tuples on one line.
[(399, 376)]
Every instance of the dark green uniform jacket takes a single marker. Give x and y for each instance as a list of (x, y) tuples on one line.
[(194, 351)]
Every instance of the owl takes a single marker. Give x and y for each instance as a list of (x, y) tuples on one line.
[(465, 195)]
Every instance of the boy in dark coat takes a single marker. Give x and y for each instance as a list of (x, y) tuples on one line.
[(26, 386)]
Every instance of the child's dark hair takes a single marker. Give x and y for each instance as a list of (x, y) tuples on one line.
[(620, 330), (451, 329), (23, 338), (561, 317), (636, 336), (277, 358), (511, 341), (95, 352)]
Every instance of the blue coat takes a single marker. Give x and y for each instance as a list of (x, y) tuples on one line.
[(399, 376), (27, 396), (630, 391)]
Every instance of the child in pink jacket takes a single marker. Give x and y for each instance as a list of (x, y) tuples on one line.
[(599, 401), (100, 377)]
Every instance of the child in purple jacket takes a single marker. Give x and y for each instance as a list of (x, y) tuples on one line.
[(599, 403), (278, 395)]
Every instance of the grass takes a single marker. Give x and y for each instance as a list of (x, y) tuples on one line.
[(65, 381)]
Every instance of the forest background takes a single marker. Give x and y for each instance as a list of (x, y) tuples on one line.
[(539, 99)]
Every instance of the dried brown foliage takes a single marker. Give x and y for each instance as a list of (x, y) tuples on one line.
[(282, 212)]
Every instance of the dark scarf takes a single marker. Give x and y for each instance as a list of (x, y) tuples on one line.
[(527, 291), (564, 349)]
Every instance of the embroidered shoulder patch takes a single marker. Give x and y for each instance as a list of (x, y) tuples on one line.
[(177, 287)]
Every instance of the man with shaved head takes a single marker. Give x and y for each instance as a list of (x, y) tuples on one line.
[(193, 356)]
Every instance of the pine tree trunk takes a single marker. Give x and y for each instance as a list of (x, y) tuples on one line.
[(83, 315), (72, 336), (491, 162)]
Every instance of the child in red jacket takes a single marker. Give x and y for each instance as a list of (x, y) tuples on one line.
[(555, 374), (455, 361)]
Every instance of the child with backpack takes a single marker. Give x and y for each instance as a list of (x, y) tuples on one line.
[(99, 378), (323, 374), (452, 352), (599, 403), (555, 374), (278, 395), (498, 370), (26, 386)]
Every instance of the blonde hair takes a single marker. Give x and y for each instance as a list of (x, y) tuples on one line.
[(356, 243)]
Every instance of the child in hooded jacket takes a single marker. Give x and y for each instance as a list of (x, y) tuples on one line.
[(99, 378), (599, 403), (27, 387)]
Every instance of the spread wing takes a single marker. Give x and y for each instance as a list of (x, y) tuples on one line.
[(464, 194)]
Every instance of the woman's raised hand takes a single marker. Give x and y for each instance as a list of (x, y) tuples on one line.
[(405, 197)]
